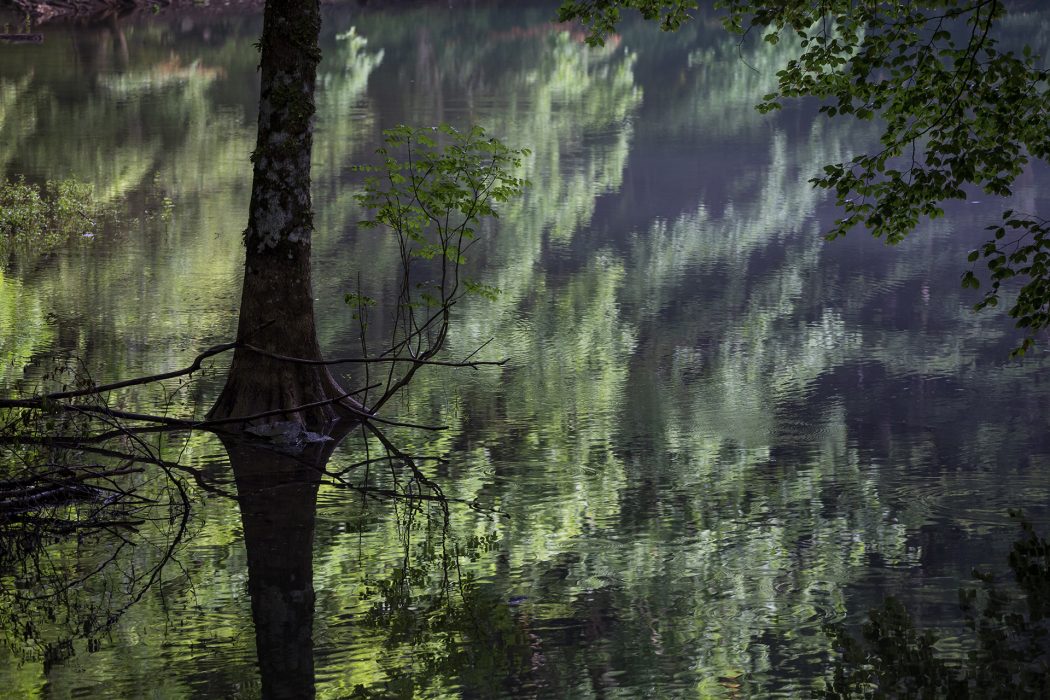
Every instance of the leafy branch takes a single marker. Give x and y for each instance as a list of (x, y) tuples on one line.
[(958, 111), (432, 190)]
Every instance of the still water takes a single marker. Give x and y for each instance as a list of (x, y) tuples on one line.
[(714, 433)]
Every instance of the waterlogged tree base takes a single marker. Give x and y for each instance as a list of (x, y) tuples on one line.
[(280, 415), (277, 314), (289, 434), (260, 384), (306, 399)]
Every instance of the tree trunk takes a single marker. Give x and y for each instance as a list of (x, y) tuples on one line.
[(277, 312)]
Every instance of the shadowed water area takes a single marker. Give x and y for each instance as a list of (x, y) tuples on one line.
[(714, 433)]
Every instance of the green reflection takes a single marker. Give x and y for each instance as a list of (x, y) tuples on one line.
[(712, 429)]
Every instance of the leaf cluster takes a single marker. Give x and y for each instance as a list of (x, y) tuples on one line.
[(1009, 641), (602, 16), (959, 111), (37, 221), (433, 189), (434, 194), (1019, 247)]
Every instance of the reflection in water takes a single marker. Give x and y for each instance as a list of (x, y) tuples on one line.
[(714, 432), (88, 544), (462, 634), (277, 494)]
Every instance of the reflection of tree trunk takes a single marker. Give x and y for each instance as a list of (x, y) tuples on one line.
[(277, 493), (428, 70), (277, 288), (120, 44)]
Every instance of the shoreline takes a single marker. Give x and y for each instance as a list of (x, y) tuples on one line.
[(33, 13)]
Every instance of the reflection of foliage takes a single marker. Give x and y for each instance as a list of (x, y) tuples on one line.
[(454, 187), (344, 121), (572, 104), (960, 110), (1010, 654), (578, 117), (459, 632), (730, 77), (657, 391), (163, 130), (641, 455), (587, 368), (159, 77), (24, 312), (353, 66), (32, 222), (89, 519), (17, 116)]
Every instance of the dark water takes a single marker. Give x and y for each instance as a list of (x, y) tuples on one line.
[(715, 432)]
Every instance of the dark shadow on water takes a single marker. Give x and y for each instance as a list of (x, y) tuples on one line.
[(278, 501), (105, 525)]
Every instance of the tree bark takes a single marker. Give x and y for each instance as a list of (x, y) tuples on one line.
[(277, 312)]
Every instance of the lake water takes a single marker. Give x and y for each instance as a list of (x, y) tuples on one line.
[(714, 434)]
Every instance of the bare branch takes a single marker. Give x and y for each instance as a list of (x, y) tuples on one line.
[(38, 401), (376, 360)]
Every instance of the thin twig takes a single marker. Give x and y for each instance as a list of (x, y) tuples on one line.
[(36, 401), (374, 360)]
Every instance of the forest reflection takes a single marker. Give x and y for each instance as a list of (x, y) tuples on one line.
[(90, 542), (423, 602), (714, 433)]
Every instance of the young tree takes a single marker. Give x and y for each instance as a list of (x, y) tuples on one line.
[(958, 111), (435, 199)]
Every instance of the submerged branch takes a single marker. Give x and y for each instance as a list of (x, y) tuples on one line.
[(189, 424), (377, 360), (42, 399)]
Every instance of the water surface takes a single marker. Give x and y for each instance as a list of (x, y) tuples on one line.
[(714, 433)]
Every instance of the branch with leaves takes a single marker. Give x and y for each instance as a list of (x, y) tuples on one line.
[(432, 190), (959, 112)]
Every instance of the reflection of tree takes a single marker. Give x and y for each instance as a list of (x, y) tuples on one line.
[(582, 339), (91, 541), (572, 105), (166, 135), (277, 494), (17, 116), (172, 136), (23, 328), (657, 381), (676, 435), (345, 118), (278, 391)]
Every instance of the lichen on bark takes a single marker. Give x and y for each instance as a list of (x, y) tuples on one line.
[(277, 313)]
